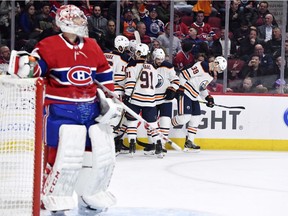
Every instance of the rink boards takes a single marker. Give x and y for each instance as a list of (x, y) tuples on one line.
[(263, 125)]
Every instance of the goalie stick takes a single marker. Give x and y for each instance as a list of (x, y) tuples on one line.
[(138, 117), (223, 106)]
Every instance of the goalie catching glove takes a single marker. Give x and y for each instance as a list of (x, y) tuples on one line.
[(23, 63), (210, 101), (109, 109)]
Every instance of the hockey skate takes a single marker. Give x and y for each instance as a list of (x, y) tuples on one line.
[(88, 211), (149, 149), (58, 213), (189, 146), (159, 150), (120, 148), (132, 147)]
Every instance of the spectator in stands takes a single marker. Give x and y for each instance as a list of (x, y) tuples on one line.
[(110, 35), (247, 45), (233, 70), (180, 28), (218, 46), (85, 6), (257, 73), (184, 57), (138, 9), (44, 20), (246, 86), (112, 10), (248, 11), (128, 25), (277, 68), (154, 26), (96, 22), (266, 60), (163, 10), (164, 40), (204, 7), (198, 45), (5, 10), (53, 30), (234, 17), (265, 30), (276, 88), (141, 28), (4, 59), (201, 57), (242, 32), (273, 46), (156, 45), (28, 25), (204, 30), (261, 12)]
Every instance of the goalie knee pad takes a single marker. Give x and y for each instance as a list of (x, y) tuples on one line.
[(98, 167), (59, 186)]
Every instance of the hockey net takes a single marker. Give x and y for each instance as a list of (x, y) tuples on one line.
[(21, 107)]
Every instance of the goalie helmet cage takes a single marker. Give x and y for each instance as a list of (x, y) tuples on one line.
[(21, 146)]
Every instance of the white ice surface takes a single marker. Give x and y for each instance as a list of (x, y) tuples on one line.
[(209, 183)]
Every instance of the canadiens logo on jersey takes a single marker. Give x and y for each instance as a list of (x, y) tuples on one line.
[(80, 76)]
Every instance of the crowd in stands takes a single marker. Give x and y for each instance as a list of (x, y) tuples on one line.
[(254, 44)]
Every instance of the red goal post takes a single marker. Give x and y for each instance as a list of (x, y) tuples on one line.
[(21, 145)]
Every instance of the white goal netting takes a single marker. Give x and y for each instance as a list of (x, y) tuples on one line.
[(20, 168)]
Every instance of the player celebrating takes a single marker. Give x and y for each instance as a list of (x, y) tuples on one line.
[(73, 106), (118, 60), (140, 89), (168, 83), (193, 82)]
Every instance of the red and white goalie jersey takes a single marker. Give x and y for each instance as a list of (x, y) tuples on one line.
[(140, 83), (71, 68), (195, 80)]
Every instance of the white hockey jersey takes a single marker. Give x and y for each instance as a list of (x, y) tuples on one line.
[(118, 62), (195, 80), (166, 77), (140, 83)]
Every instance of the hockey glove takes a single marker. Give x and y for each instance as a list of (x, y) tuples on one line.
[(126, 99), (108, 109), (23, 63), (180, 90), (210, 101), (170, 93)]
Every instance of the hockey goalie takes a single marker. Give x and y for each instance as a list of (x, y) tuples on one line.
[(77, 135)]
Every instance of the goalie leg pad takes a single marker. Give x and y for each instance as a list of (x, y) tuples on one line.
[(57, 193), (98, 168)]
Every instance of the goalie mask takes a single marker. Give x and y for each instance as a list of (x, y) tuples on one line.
[(121, 43), (71, 19), (158, 56), (141, 50)]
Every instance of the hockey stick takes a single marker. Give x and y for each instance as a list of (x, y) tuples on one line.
[(138, 117), (223, 106), (137, 37)]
